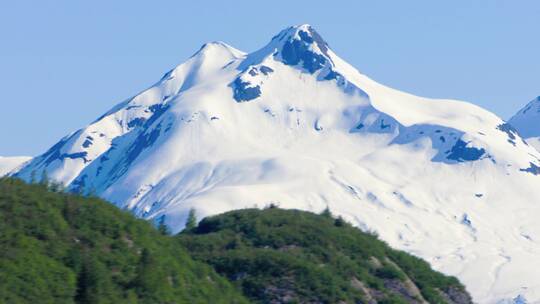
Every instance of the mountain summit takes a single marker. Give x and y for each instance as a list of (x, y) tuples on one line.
[(294, 125), (526, 122)]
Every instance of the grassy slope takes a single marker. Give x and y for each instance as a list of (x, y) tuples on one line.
[(60, 248), (299, 257)]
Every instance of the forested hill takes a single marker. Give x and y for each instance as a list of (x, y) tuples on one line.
[(62, 248), (57, 247), (292, 256)]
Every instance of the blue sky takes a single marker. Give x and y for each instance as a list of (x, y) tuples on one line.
[(64, 63)]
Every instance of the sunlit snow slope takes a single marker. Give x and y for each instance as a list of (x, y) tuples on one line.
[(8, 164), (527, 122), (294, 125)]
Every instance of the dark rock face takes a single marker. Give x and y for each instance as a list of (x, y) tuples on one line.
[(456, 296), (266, 70), (510, 131), (243, 91), (145, 140), (145, 137), (136, 122), (81, 155), (157, 110), (533, 169), (461, 153), (88, 141), (398, 287), (54, 152), (296, 51), (333, 75)]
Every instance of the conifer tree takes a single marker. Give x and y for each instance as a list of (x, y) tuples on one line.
[(162, 227), (191, 221), (326, 212), (93, 283)]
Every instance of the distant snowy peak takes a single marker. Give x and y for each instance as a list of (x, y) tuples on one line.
[(297, 46), (458, 131), (67, 158), (295, 125), (527, 122), (8, 164), (293, 46), (302, 45)]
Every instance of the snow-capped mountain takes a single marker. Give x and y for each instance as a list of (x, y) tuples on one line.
[(294, 125), (8, 164), (527, 122)]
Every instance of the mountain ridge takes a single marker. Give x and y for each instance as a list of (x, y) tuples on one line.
[(295, 125), (525, 122)]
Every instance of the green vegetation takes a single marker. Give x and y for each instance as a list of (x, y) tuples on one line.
[(63, 248), (291, 256), (191, 220)]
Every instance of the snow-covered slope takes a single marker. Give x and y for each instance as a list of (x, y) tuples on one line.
[(294, 125), (527, 122), (7, 164)]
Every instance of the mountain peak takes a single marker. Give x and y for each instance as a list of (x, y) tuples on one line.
[(294, 125), (299, 46), (213, 47), (302, 34), (525, 120)]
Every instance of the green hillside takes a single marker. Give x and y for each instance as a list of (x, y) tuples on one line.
[(64, 248), (60, 248), (291, 256)]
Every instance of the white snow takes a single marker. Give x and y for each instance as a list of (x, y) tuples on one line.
[(374, 155), (526, 119), (526, 122), (8, 164)]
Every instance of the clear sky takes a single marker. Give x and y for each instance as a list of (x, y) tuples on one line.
[(64, 63)]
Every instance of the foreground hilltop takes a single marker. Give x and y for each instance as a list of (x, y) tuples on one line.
[(295, 125), (292, 256), (63, 248)]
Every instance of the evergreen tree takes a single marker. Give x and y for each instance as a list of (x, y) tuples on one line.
[(326, 212), (191, 221), (64, 248), (93, 283), (272, 206), (162, 226), (56, 186), (339, 222), (149, 281)]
